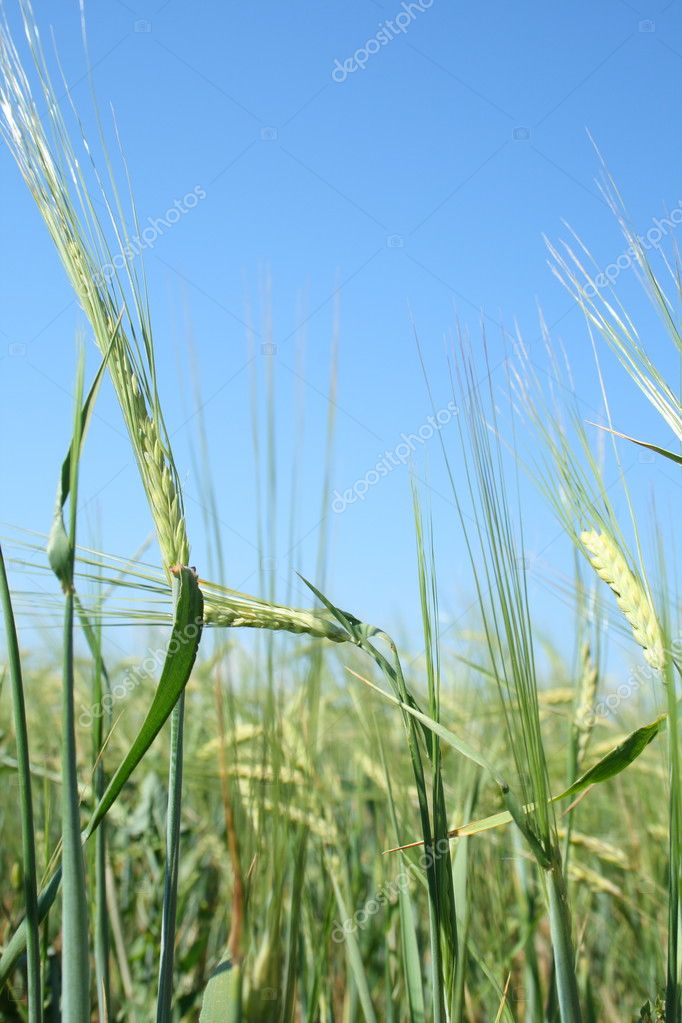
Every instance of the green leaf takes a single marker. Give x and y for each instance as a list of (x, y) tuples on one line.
[(180, 657), (353, 626), (642, 443), (74, 920), (25, 803), (441, 731), (354, 954), (611, 764), (182, 652), (408, 922), (617, 759), (58, 547), (222, 1002)]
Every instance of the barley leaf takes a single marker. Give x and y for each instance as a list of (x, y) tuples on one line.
[(58, 551), (617, 759), (408, 924), (75, 926), (355, 960), (180, 658), (222, 1002), (182, 651), (25, 802), (642, 444), (441, 731)]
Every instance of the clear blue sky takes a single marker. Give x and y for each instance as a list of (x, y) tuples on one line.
[(423, 182)]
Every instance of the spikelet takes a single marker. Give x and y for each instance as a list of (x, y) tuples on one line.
[(117, 309), (610, 565), (594, 881), (234, 612), (43, 162), (163, 496), (583, 721), (604, 851)]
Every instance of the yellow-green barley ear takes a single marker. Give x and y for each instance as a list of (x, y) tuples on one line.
[(583, 721), (610, 564)]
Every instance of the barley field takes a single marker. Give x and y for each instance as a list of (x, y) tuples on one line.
[(247, 809)]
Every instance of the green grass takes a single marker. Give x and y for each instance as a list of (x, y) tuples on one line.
[(214, 843), (616, 874)]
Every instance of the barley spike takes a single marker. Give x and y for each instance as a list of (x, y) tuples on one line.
[(610, 565)]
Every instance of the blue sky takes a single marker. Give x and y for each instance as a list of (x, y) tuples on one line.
[(417, 187)]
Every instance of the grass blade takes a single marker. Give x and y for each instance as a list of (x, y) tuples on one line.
[(642, 443), (180, 657), (76, 949), (25, 802), (354, 955), (617, 759), (222, 1002), (607, 767), (408, 926), (170, 884), (182, 651)]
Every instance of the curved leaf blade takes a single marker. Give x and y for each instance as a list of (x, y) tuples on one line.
[(176, 671), (222, 1002), (611, 764), (182, 652), (642, 444)]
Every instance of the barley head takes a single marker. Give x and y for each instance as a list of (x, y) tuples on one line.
[(115, 305), (584, 714), (610, 565), (231, 610)]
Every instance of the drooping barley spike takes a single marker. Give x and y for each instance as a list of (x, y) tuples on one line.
[(163, 495), (234, 611), (114, 303), (610, 565)]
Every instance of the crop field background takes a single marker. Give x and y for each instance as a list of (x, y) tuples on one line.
[(340, 678)]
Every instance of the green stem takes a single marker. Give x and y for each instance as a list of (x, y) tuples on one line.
[(170, 888), (25, 804), (76, 955), (672, 994), (101, 724), (562, 944)]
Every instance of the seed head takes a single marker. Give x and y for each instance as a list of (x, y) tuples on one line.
[(610, 565)]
